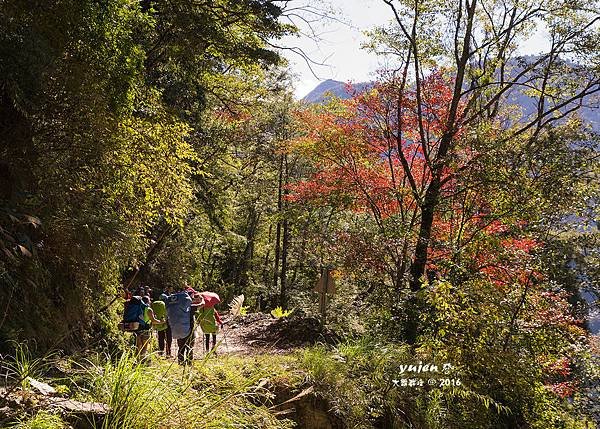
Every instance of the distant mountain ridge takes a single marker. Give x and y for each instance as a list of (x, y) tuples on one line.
[(338, 89), (334, 87)]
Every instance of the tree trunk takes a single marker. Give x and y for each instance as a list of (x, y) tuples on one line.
[(278, 230), (414, 304), (265, 270), (283, 295), (417, 269)]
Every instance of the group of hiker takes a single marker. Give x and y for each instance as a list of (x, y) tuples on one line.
[(174, 315)]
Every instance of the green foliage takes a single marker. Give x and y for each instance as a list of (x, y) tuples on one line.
[(41, 420), (108, 137), (228, 245), (476, 328), (356, 378), (227, 392), (361, 381), (126, 390), (279, 313), (23, 364)]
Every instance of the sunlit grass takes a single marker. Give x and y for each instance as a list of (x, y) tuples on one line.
[(41, 420), (221, 392), (354, 380)]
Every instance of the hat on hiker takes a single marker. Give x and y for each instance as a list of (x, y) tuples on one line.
[(210, 299), (197, 299)]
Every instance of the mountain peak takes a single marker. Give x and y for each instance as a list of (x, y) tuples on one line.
[(335, 87)]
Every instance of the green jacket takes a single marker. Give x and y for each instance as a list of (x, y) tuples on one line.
[(207, 320), (160, 312)]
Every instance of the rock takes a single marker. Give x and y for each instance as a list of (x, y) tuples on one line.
[(76, 407), (43, 388), (309, 410), (83, 415)]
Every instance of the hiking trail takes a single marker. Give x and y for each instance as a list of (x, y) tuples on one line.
[(259, 333)]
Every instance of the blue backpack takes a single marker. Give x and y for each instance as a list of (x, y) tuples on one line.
[(179, 306), (133, 315)]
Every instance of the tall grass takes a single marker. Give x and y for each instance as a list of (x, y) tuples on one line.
[(132, 391), (210, 394), (24, 365)]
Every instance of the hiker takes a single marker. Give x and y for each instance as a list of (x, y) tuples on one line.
[(163, 330), (180, 313), (143, 335), (137, 318), (209, 319)]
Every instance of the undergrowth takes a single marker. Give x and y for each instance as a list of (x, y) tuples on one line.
[(41, 420), (357, 380), (361, 381), (213, 393), (23, 364)]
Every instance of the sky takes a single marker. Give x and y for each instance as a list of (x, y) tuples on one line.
[(339, 44)]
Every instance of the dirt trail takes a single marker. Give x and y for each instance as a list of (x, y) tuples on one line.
[(261, 333)]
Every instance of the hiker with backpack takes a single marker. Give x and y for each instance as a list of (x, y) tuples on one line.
[(180, 313), (137, 318), (143, 336), (163, 330)]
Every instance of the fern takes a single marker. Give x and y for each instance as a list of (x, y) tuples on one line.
[(278, 312), (236, 306)]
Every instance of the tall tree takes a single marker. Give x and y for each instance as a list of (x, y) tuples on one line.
[(479, 40)]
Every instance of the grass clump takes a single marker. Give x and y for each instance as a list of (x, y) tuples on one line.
[(41, 420), (23, 365), (238, 391), (130, 391), (356, 378)]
